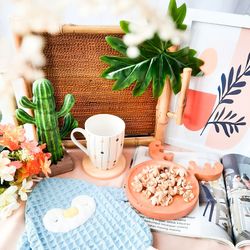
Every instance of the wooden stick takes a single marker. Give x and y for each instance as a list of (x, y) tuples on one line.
[(89, 29), (171, 115), (161, 112), (128, 142), (186, 76)]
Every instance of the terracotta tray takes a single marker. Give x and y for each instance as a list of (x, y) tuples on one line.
[(177, 209)]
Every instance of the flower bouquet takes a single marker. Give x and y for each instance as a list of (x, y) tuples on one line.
[(20, 161)]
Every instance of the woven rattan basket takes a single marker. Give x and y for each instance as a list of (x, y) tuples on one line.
[(74, 66)]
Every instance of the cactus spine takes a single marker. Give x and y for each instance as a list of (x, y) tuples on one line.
[(46, 118)]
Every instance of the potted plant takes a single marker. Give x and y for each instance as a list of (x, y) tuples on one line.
[(159, 62), (46, 118)]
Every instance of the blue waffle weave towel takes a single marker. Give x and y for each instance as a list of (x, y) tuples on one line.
[(114, 224)]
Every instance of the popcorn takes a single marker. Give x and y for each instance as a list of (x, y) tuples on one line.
[(161, 183)]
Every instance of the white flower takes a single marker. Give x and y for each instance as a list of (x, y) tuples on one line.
[(25, 188), (133, 52), (38, 16), (155, 22), (166, 32), (8, 196), (7, 210), (33, 45), (32, 74), (4, 160), (6, 172), (121, 6), (26, 156), (8, 202)]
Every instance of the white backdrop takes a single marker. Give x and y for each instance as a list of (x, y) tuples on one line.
[(231, 6)]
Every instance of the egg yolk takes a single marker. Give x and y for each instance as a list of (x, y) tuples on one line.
[(70, 212)]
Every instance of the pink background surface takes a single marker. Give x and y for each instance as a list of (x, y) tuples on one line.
[(12, 228)]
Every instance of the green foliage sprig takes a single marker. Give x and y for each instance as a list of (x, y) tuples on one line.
[(154, 63)]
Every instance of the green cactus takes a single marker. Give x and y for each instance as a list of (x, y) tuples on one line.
[(46, 118)]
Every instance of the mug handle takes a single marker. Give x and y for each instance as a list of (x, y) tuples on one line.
[(74, 140)]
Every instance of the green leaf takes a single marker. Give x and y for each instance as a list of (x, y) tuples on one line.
[(174, 74), (144, 79), (154, 64), (117, 44), (178, 14), (2, 190), (108, 73), (115, 60), (125, 26), (159, 77), (1, 115), (152, 67), (127, 75), (186, 58)]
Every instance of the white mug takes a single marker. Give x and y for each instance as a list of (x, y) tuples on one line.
[(104, 134)]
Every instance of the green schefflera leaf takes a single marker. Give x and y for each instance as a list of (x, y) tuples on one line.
[(178, 14), (124, 26), (153, 65), (117, 44)]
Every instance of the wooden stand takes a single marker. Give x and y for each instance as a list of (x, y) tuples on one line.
[(178, 114), (92, 171), (162, 110)]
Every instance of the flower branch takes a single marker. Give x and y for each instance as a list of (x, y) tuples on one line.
[(20, 161)]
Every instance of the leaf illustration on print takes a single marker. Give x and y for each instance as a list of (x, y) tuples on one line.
[(230, 87), (225, 121)]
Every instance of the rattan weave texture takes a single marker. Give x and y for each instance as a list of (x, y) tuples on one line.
[(73, 66)]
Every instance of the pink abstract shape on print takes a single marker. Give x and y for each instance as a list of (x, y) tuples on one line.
[(200, 104), (198, 109), (210, 58)]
